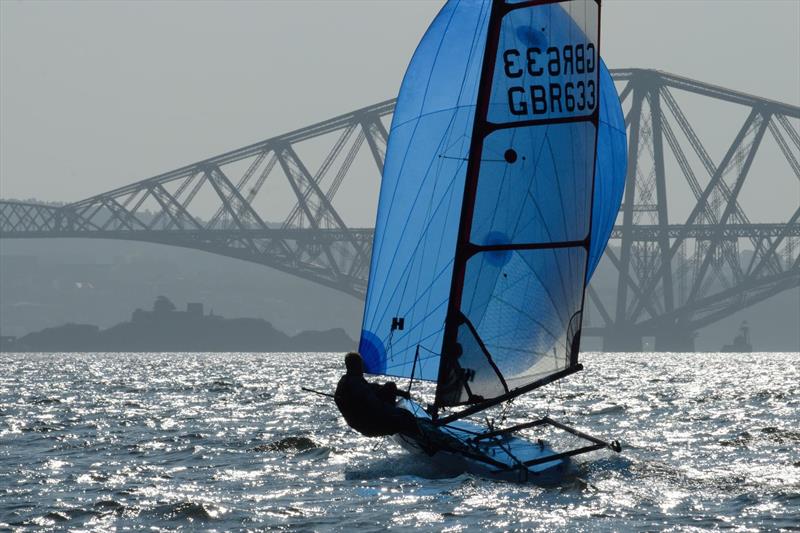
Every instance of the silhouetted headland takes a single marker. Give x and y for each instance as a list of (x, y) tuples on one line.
[(165, 329)]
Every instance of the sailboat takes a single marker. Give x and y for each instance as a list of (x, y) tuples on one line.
[(503, 178)]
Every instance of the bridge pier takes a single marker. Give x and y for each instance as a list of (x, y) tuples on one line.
[(675, 340), (622, 339), (667, 339)]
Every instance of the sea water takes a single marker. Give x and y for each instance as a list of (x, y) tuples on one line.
[(230, 442)]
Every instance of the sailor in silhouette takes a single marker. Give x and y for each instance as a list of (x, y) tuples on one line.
[(370, 408)]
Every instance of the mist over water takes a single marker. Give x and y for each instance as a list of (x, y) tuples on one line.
[(228, 441)]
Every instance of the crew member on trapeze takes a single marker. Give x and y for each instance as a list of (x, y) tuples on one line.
[(369, 408)]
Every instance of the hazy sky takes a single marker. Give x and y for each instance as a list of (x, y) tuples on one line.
[(94, 95)]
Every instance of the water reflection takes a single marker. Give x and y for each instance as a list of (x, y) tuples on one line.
[(229, 441)]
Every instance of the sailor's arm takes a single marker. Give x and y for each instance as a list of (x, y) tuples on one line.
[(403, 394), (389, 391)]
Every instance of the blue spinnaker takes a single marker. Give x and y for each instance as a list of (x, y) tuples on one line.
[(610, 168), (520, 288)]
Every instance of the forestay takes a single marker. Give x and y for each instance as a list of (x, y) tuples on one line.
[(483, 240)]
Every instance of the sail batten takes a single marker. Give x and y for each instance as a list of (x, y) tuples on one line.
[(485, 236)]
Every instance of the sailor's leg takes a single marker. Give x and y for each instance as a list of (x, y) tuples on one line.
[(404, 422), (388, 392)]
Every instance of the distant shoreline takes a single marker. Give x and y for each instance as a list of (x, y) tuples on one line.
[(164, 329), (178, 352), (61, 339)]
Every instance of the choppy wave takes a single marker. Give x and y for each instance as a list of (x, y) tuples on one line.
[(229, 442)]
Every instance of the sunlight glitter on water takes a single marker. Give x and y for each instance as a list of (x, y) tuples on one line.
[(227, 442)]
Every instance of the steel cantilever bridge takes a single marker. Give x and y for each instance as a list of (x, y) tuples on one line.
[(675, 273)]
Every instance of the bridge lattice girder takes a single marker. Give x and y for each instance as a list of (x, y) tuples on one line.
[(670, 277), (681, 277), (313, 242)]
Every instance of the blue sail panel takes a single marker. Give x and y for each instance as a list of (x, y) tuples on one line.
[(520, 300), (610, 168), (536, 190), (421, 195), (517, 316)]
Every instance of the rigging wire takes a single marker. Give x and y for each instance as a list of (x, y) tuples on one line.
[(413, 369), (506, 408)]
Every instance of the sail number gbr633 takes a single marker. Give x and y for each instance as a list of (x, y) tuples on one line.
[(565, 76)]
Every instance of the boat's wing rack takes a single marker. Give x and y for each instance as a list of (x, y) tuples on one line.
[(595, 443)]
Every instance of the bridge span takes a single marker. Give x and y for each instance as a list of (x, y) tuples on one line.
[(675, 272)]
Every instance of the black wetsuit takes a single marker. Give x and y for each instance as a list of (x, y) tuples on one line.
[(370, 408)]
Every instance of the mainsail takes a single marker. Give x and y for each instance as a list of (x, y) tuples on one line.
[(502, 180)]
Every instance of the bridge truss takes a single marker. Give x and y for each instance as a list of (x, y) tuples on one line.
[(672, 278)]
